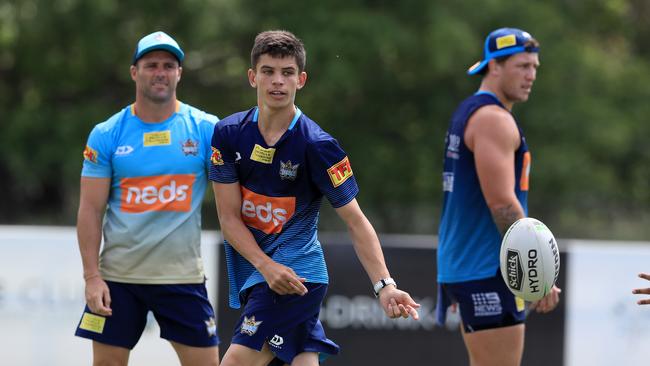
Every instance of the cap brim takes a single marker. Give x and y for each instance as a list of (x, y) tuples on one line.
[(477, 67), (165, 47)]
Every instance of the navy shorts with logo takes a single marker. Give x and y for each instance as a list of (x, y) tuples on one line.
[(483, 304), (288, 323), (182, 311)]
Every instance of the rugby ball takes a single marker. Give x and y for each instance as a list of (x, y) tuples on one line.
[(529, 259)]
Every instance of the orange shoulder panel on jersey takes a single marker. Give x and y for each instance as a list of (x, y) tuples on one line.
[(525, 171)]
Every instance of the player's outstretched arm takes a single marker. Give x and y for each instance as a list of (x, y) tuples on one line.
[(395, 302), (280, 278), (643, 291), (92, 204)]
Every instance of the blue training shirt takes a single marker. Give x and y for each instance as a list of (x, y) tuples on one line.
[(282, 187), (468, 239)]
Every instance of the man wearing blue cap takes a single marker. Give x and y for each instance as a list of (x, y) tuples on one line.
[(143, 180), (485, 185)]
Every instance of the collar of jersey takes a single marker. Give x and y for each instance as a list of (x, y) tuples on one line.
[(293, 121), (484, 92), (178, 109)]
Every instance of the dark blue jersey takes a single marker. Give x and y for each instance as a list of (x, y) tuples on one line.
[(468, 239), (282, 188)]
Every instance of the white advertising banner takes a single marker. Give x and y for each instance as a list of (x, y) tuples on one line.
[(42, 299), (604, 325)]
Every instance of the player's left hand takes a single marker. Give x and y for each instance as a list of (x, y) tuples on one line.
[(397, 303), (548, 302), (643, 291)]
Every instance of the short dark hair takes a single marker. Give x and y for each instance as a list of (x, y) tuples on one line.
[(278, 43), (530, 44)]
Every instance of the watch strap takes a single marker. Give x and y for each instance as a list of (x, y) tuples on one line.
[(383, 283)]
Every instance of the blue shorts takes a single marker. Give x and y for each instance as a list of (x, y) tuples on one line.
[(182, 311), (288, 323), (483, 304)]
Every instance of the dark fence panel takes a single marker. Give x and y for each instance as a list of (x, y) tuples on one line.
[(353, 319)]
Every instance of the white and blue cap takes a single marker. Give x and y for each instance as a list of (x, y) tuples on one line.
[(158, 41), (503, 42)]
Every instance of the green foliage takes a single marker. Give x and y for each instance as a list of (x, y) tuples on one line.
[(384, 78)]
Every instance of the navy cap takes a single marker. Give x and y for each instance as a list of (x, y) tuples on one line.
[(503, 42), (158, 41)]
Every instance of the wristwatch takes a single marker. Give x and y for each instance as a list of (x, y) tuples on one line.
[(383, 283)]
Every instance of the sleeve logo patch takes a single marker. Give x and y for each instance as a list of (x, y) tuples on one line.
[(340, 172), (92, 323), (506, 41), (216, 158), (90, 154), (262, 155), (157, 138)]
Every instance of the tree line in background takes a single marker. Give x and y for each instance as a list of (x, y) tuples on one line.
[(383, 77)]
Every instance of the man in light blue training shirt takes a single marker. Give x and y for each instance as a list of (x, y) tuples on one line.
[(145, 174)]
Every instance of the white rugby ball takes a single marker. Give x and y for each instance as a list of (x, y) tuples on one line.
[(529, 259)]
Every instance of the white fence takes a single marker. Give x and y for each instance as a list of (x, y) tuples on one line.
[(41, 300)]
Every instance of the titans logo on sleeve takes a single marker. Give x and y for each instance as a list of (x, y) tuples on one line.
[(282, 187)]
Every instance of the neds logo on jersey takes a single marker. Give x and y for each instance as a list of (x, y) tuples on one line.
[(157, 193), (268, 214)]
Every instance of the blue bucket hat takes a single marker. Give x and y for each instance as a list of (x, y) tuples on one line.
[(503, 42), (158, 41)]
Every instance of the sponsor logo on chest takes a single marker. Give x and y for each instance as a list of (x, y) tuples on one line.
[(262, 155), (453, 146), (268, 214), (157, 193), (159, 138)]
